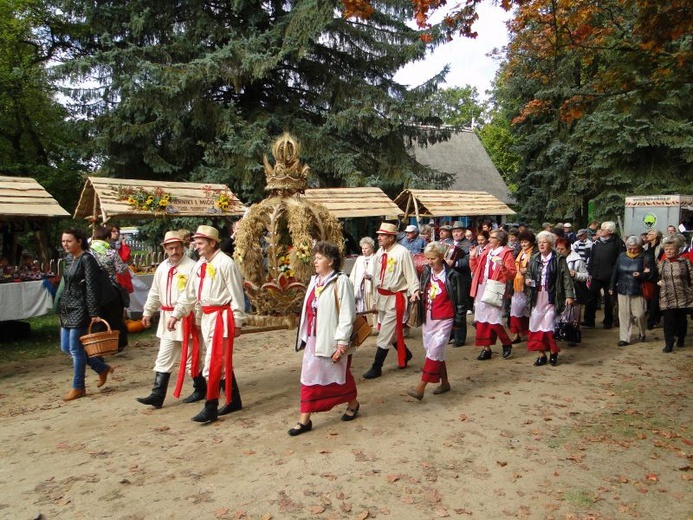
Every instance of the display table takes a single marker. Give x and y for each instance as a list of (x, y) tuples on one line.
[(22, 300), (141, 283)]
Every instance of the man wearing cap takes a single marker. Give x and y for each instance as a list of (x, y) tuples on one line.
[(445, 233), (412, 241), (582, 245), (216, 285), (568, 230), (169, 281), (395, 279)]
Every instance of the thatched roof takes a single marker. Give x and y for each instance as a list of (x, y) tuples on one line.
[(106, 198), (449, 203), (354, 202), (464, 156), (24, 197)]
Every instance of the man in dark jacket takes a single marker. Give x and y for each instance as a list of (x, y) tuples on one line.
[(605, 251)]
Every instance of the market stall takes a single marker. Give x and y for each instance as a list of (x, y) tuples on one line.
[(354, 202), (25, 290), (105, 198), (446, 203)]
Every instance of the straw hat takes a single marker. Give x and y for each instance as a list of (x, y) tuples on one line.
[(172, 236), (387, 229), (207, 232)]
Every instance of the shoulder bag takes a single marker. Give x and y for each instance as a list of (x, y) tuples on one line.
[(361, 327), (493, 293)]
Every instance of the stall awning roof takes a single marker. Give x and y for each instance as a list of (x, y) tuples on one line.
[(437, 203), (354, 202), (107, 198), (24, 197)]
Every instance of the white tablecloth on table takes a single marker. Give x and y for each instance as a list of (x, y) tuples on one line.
[(22, 300), (141, 283)]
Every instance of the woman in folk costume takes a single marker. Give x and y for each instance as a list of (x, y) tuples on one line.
[(324, 332), (549, 289), (362, 278), (496, 262), (519, 309), (216, 285), (170, 279), (443, 308)]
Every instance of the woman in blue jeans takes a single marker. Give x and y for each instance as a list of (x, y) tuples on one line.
[(78, 307)]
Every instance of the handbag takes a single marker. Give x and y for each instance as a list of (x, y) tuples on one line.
[(648, 290), (413, 308), (494, 292), (361, 328), (567, 327)]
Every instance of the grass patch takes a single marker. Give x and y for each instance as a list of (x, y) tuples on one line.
[(578, 498), (43, 341)]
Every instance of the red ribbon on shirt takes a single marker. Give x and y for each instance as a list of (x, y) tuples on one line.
[(383, 266)]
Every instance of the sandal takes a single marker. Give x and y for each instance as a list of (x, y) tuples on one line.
[(354, 413), (416, 395), (300, 428)]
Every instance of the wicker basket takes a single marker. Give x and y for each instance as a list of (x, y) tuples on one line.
[(100, 343)]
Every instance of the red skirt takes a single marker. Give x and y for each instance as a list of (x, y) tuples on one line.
[(542, 341), (519, 325), (487, 333), (322, 398)]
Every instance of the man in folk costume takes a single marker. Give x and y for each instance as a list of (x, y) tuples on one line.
[(216, 285), (395, 280), (169, 281)]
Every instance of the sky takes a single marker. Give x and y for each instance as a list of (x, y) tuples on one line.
[(468, 60)]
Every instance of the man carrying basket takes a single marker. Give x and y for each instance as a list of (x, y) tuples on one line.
[(216, 285), (169, 281)]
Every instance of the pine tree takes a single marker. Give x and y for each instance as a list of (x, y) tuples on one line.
[(198, 89)]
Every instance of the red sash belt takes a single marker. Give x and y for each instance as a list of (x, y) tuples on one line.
[(189, 329), (400, 307), (166, 308), (218, 351)]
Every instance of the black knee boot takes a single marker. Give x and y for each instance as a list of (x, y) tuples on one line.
[(199, 390), (376, 369), (236, 403), (209, 413), (156, 398)]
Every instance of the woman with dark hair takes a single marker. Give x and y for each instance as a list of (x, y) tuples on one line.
[(519, 310), (549, 289), (443, 308), (481, 241), (324, 333), (675, 292), (78, 307), (577, 268), (495, 262), (110, 261)]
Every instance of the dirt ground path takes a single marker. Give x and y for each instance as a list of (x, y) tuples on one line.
[(604, 435)]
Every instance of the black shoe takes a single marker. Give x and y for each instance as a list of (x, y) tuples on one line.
[(156, 398), (622, 343), (485, 354), (641, 338), (507, 350), (516, 341), (587, 325), (354, 413), (607, 327), (541, 361), (230, 408), (553, 359), (407, 357), (458, 345), (668, 349), (209, 413), (373, 372), (199, 392), (301, 428)]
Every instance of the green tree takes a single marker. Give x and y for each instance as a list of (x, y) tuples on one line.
[(458, 106), (199, 89), (36, 138), (600, 99)]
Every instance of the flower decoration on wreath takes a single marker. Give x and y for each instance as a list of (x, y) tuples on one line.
[(222, 199)]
